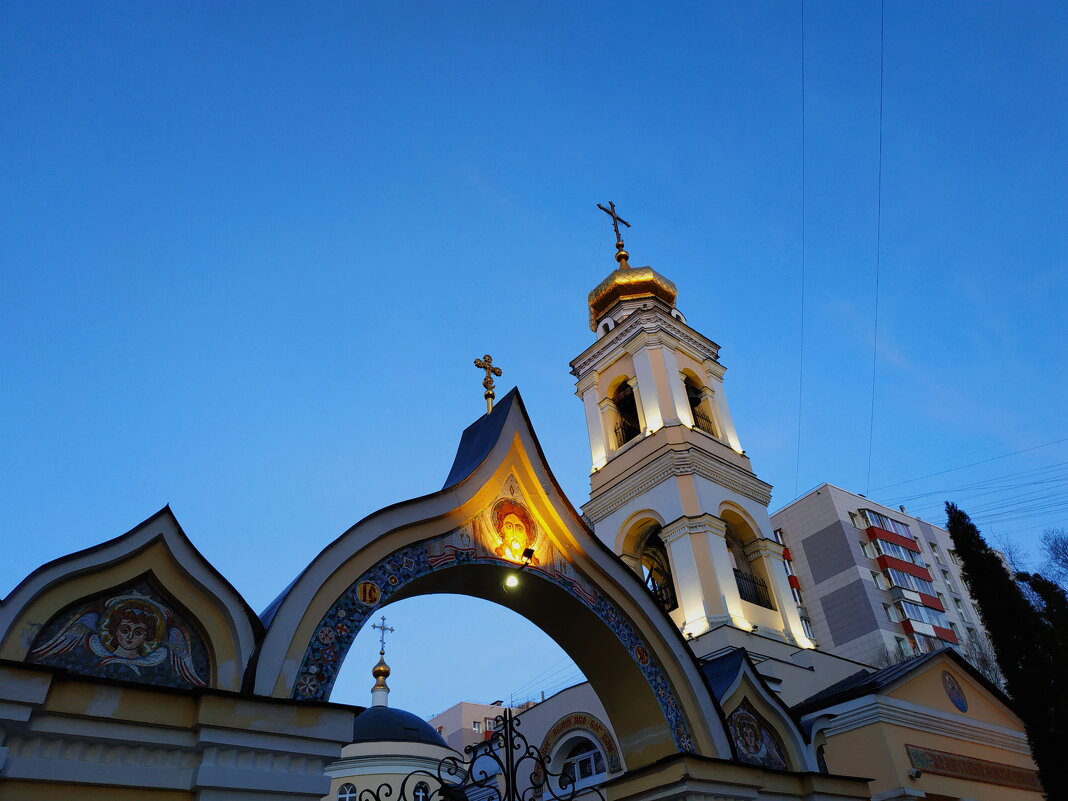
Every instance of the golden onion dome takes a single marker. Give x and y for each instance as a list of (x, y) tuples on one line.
[(381, 671), (629, 282)]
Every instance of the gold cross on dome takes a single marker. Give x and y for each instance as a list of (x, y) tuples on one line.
[(382, 637), (486, 363), (621, 254)]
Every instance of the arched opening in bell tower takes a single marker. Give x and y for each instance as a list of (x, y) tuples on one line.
[(656, 570), (627, 424), (749, 573), (700, 407)]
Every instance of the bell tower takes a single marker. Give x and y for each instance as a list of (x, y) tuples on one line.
[(672, 491)]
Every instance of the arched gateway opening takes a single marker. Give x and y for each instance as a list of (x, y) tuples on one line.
[(501, 516)]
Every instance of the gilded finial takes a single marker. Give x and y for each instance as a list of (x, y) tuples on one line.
[(621, 254), (486, 363), (381, 671)]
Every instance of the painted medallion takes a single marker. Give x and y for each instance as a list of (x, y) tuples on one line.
[(756, 741), (130, 633), (954, 691)]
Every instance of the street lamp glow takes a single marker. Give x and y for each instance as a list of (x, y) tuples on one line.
[(511, 581)]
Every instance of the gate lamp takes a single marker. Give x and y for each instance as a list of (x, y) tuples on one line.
[(513, 578)]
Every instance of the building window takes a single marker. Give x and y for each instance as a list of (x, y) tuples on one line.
[(627, 425), (880, 580), (797, 595), (903, 649), (777, 536), (476, 726), (924, 614), (937, 553), (887, 524), (946, 577), (925, 644), (582, 764), (347, 792), (909, 582), (960, 610), (867, 549), (891, 613), (857, 522), (806, 626), (896, 551), (656, 570)]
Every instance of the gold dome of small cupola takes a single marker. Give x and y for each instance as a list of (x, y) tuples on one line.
[(626, 282), (381, 671)]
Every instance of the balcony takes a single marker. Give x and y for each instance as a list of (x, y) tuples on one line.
[(625, 432), (702, 421), (752, 589)]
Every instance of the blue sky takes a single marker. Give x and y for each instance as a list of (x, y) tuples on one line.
[(249, 251)]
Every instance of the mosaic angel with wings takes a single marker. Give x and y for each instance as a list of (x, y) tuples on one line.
[(132, 630)]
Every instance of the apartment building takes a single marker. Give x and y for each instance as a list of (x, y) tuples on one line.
[(466, 723), (873, 583)]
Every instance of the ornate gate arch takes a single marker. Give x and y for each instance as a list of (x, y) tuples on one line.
[(501, 513)]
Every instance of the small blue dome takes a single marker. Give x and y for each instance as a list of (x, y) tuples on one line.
[(381, 723)]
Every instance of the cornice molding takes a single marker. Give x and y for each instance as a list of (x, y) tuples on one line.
[(697, 524), (882, 709), (655, 324), (677, 463)]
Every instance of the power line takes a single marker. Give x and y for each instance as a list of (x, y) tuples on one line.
[(878, 244), (972, 464)]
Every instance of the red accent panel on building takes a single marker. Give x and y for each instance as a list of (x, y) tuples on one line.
[(945, 634), (794, 582), (931, 601), (903, 566), (786, 554), (906, 624), (876, 533)]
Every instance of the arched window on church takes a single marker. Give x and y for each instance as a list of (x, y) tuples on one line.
[(347, 792), (581, 764), (699, 407), (627, 424), (656, 570)]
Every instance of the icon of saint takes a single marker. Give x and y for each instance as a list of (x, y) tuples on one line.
[(515, 529)]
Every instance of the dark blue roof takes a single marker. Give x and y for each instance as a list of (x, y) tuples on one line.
[(382, 723), (478, 440), (722, 671)]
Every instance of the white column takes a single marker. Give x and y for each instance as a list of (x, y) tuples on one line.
[(727, 432), (647, 394), (724, 571), (595, 426), (701, 567), (678, 388), (688, 590), (768, 554)]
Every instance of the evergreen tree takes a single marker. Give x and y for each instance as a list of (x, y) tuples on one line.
[(1029, 647)]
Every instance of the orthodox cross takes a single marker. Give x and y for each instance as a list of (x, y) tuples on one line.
[(382, 637), (422, 792), (486, 363), (621, 254)]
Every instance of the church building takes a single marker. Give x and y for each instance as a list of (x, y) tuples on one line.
[(132, 669)]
